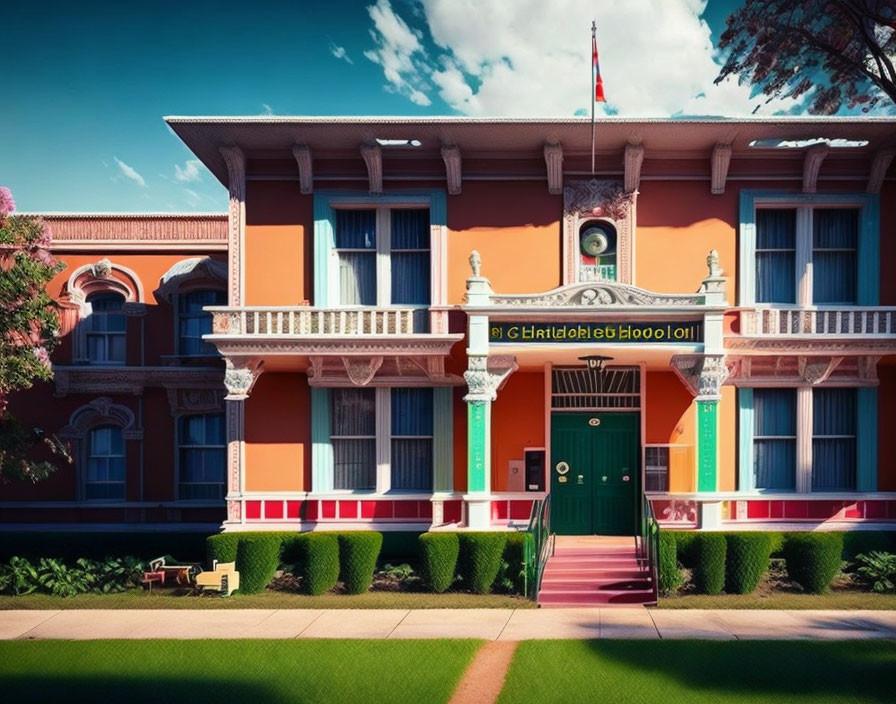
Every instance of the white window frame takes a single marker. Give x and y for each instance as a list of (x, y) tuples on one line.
[(178, 446), (805, 204), (105, 335), (88, 455)]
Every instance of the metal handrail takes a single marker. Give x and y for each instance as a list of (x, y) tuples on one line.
[(649, 542), (540, 547)]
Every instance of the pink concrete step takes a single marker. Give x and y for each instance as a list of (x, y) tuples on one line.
[(604, 597), (584, 552), (560, 573), (592, 586), (584, 563)]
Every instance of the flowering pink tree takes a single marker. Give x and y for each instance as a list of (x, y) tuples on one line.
[(28, 320)]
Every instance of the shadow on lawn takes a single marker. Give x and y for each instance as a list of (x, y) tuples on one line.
[(136, 689), (837, 670)]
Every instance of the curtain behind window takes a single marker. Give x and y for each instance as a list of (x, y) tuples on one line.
[(410, 257), (203, 457), (775, 256), (412, 461), (356, 247), (105, 464), (774, 444), (834, 255), (353, 434), (833, 439)]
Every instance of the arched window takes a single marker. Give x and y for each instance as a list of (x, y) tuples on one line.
[(106, 329), (202, 458), (193, 322), (105, 477)]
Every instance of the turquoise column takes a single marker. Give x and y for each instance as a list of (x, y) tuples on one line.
[(443, 440), (707, 445), (478, 429)]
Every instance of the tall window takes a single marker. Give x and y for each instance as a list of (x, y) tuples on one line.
[(833, 439), (353, 434), (384, 256), (411, 460), (835, 242), (774, 439), (794, 242), (193, 322), (106, 329), (202, 457), (775, 256), (656, 470), (105, 478)]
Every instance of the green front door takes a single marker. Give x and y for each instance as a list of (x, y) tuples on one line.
[(594, 473)]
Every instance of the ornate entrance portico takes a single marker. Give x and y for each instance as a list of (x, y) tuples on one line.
[(682, 331)]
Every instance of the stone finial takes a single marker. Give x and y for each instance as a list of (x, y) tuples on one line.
[(475, 263), (712, 261)]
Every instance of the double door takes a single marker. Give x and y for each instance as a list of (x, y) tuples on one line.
[(595, 475)]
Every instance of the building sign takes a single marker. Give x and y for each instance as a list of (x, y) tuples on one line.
[(687, 332)]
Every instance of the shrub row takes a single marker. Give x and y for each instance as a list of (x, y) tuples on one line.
[(482, 561), (319, 559), (737, 561)]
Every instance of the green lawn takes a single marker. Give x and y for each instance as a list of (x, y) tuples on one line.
[(272, 672), (850, 600), (138, 599), (701, 672)]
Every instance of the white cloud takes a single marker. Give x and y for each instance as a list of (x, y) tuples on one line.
[(529, 57), (189, 172), (191, 197), (400, 53), (130, 172), (266, 109), (340, 53)]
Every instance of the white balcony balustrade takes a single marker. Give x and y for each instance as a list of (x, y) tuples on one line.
[(304, 321), (786, 322)]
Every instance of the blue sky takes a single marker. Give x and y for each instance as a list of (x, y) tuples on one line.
[(87, 83)]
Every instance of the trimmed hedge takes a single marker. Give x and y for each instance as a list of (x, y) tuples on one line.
[(221, 547), (319, 566), (670, 579), (513, 562), (685, 543), (358, 551), (257, 558), (709, 563), (480, 559), (438, 560), (813, 559), (747, 556)]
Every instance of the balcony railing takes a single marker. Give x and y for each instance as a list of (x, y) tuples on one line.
[(842, 322), (304, 321)]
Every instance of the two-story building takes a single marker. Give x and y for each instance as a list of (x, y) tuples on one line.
[(429, 323)]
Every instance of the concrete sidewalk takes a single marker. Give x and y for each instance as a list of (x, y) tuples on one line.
[(489, 624)]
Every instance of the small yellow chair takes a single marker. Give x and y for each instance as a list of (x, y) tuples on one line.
[(222, 578)]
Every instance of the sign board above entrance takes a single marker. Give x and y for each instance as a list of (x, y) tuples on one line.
[(663, 333)]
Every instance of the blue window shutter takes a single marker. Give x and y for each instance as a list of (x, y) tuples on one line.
[(321, 446), (443, 439), (866, 440), (324, 228)]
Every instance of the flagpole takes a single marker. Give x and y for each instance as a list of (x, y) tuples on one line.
[(593, 87)]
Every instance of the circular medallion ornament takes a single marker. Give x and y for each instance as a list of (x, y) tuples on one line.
[(562, 468), (594, 242)]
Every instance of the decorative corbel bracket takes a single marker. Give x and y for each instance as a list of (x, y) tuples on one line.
[(634, 157), (240, 376), (373, 158), (868, 367), (302, 154), (553, 160), (485, 376), (721, 160), (815, 370), (361, 370), (811, 165), (702, 374), (451, 157), (879, 167)]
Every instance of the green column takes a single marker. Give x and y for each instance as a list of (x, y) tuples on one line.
[(443, 439), (478, 413), (707, 445), (866, 440)]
